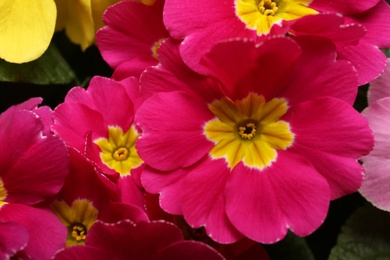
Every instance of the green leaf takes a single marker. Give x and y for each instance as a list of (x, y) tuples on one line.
[(366, 235), (50, 68), (290, 248)]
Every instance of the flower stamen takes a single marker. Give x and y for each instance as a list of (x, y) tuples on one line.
[(248, 131), (268, 7), (121, 154), (79, 232)]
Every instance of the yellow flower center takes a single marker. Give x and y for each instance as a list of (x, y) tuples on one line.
[(78, 219), (267, 7), (79, 232), (118, 152), (261, 15), (248, 130)]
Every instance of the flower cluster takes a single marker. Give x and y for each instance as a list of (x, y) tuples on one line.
[(225, 125)]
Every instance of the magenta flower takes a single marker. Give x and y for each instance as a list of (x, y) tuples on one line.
[(88, 196), (132, 34), (98, 122), (256, 138), (203, 23), (375, 187), (145, 240)]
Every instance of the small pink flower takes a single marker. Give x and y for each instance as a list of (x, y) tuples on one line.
[(145, 240), (375, 187), (98, 122), (132, 34), (203, 23), (88, 196), (270, 131)]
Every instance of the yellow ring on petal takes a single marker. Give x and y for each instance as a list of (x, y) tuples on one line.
[(248, 130)]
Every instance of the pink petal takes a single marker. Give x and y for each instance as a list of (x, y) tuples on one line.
[(344, 7), (168, 184), (247, 66), (83, 252), (174, 75), (130, 192), (127, 240), (296, 199), (13, 238), (36, 166), (46, 233), (111, 100), (135, 41), (203, 201), (377, 23), (377, 163), (318, 60), (172, 123), (188, 250), (99, 190), (380, 88), (330, 26), (72, 121), (327, 139), (367, 59)]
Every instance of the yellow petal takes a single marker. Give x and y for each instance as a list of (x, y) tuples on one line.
[(76, 17), (26, 29), (98, 8)]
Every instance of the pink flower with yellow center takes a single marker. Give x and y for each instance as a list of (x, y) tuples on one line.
[(88, 196), (98, 122), (254, 147), (131, 49), (365, 25)]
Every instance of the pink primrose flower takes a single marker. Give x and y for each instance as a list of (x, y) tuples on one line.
[(130, 39), (98, 122), (375, 187), (145, 240), (258, 145), (203, 23), (88, 196)]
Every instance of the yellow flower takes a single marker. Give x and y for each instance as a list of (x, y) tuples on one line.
[(26, 29), (81, 19)]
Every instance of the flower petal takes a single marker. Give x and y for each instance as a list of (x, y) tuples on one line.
[(26, 28), (172, 123)]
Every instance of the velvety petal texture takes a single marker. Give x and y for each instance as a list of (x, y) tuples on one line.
[(33, 165), (46, 235), (376, 182), (230, 157), (26, 29), (13, 238), (135, 47), (153, 240)]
